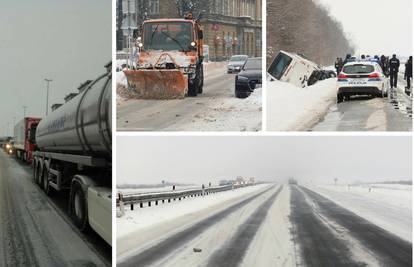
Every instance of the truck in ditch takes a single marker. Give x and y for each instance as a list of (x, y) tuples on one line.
[(170, 60), (74, 155), (24, 144)]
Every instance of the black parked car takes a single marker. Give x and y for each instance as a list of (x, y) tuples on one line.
[(249, 77)]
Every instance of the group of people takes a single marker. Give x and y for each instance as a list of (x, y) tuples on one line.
[(390, 67)]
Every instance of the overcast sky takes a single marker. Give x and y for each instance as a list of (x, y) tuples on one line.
[(376, 27), (149, 160), (68, 41)]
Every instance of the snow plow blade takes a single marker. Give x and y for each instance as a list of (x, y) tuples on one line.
[(156, 83)]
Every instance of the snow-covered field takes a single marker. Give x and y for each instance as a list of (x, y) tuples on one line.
[(290, 108), (140, 218), (387, 205)]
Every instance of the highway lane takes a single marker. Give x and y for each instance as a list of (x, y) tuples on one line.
[(34, 229), (213, 234), (329, 235)]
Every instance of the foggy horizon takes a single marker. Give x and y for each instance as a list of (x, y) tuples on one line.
[(69, 42), (350, 159)]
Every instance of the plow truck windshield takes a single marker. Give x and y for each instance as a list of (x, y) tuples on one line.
[(168, 36)]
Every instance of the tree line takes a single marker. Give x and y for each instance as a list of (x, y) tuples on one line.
[(305, 27)]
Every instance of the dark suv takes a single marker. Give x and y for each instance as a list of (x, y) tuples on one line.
[(249, 77)]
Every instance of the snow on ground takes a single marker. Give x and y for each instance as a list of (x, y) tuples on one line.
[(290, 108), (140, 218), (272, 244), (230, 113), (388, 206)]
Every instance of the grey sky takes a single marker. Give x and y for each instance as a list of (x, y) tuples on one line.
[(376, 27), (68, 41), (148, 160)]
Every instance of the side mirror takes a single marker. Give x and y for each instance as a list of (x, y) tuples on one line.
[(200, 34)]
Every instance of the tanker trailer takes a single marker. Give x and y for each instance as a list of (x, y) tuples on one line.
[(74, 155)]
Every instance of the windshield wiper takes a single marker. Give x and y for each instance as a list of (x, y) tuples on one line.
[(182, 48)]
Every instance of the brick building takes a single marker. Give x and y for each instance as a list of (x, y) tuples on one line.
[(230, 26)]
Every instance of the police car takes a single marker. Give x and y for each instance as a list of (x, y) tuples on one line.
[(361, 78)]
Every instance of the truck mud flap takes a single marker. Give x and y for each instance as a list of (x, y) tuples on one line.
[(156, 84)]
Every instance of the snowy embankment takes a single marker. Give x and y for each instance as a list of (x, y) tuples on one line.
[(389, 206), (290, 108), (136, 220)]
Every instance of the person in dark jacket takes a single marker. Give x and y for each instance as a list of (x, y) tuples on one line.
[(409, 71), (338, 65), (394, 67), (347, 59)]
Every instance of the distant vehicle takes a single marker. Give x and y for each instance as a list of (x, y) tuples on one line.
[(361, 78), (236, 63), (4, 140), (292, 68), (249, 77), (9, 147), (225, 182), (292, 181), (24, 138)]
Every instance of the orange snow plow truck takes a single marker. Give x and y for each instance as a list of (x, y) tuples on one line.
[(170, 60)]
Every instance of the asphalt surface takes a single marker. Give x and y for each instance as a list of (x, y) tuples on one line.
[(362, 113), (228, 251), (35, 230), (210, 108), (329, 235)]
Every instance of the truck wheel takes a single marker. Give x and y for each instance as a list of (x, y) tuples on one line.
[(38, 178), (78, 206), (45, 181), (192, 90), (35, 167)]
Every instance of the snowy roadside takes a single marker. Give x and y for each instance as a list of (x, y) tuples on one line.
[(290, 108), (134, 221), (387, 206)]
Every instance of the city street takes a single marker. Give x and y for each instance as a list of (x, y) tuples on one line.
[(36, 230), (216, 109)]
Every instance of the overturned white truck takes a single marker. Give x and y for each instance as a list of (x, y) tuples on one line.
[(74, 155), (296, 69)]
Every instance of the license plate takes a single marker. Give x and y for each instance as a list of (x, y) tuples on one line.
[(357, 81)]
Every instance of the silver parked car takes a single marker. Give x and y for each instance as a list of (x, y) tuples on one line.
[(236, 63)]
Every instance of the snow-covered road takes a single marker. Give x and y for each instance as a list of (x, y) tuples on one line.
[(273, 225), (217, 109)]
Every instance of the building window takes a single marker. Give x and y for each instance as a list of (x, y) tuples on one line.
[(154, 7)]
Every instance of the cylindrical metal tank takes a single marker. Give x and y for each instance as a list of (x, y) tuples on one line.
[(82, 125)]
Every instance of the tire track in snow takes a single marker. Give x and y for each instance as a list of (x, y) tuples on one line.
[(389, 249), (232, 253)]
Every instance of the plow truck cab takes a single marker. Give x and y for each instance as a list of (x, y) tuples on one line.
[(170, 60)]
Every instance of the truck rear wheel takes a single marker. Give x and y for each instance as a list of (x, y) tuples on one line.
[(45, 181), (78, 206)]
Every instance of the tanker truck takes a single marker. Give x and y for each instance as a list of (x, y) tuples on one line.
[(170, 61), (74, 155)]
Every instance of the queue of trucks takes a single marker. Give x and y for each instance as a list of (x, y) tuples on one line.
[(70, 150)]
